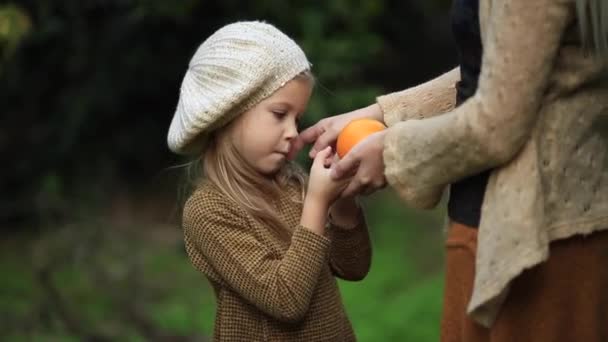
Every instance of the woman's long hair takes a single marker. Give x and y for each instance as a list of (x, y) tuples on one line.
[(593, 21)]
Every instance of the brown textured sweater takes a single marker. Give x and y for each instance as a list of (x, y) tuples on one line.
[(268, 289)]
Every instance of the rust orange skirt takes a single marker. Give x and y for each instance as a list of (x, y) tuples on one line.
[(562, 299)]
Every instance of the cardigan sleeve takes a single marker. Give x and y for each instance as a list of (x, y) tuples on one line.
[(520, 45), (431, 98), (281, 287)]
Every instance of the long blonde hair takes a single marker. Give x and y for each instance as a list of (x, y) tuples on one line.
[(593, 23), (223, 166)]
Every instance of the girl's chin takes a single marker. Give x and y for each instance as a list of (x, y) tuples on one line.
[(271, 169)]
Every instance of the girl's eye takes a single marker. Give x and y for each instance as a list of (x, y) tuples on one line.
[(279, 115)]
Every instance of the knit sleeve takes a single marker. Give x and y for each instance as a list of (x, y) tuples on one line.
[(521, 43), (431, 98), (351, 250), (279, 286)]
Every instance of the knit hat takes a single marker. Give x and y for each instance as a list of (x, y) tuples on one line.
[(234, 69)]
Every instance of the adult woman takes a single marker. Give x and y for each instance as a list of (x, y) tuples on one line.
[(525, 149)]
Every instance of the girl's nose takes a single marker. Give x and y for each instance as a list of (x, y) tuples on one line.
[(291, 131)]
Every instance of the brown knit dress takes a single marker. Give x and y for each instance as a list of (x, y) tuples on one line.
[(267, 289)]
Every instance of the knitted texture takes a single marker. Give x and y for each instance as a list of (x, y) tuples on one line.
[(423, 101), (538, 119), (234, 69), (268, 289)]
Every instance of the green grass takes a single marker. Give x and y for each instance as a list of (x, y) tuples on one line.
[(400, 299), (190, 306)]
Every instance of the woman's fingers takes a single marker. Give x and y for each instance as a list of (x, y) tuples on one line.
[(307, 136), (353, 188), (327, 138), (345, 166), (365, 162)]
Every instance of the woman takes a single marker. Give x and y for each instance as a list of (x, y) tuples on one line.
[(518, 132)]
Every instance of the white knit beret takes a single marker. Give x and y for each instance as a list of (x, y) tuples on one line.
[(234, 69)]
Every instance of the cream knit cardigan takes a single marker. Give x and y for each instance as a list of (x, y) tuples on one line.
[(539, 118)]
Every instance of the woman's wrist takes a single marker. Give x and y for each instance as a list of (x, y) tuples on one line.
[(373, 111)]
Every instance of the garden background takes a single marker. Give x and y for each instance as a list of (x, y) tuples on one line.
[(90, 245)]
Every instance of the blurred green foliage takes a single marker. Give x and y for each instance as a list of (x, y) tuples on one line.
[(89, 87), (14, 25), (134, 283)]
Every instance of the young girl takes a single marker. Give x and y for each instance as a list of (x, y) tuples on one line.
[(264, 243)]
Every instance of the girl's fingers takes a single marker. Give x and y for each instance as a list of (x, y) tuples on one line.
[(322, 156)]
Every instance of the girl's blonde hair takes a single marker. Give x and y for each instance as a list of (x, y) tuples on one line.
[(593, 23), (223, 166)]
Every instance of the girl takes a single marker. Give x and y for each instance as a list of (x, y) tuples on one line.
[(266, 245), (519, 133)]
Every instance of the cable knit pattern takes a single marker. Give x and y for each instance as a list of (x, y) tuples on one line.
[(540, 118), (268, 289), (235, 68)]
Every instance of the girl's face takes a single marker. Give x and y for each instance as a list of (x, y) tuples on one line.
[(263, 134)]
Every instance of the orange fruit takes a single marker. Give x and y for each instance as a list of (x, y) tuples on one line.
[(354, 132)]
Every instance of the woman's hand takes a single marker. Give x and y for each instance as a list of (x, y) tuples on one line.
[(325, 132), (365, 161)]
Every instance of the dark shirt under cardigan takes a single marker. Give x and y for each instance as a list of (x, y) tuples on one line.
[(466, 195)]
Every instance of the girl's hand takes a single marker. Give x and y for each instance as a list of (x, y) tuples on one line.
[(325, 132), (366, 162), (321, 186)]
